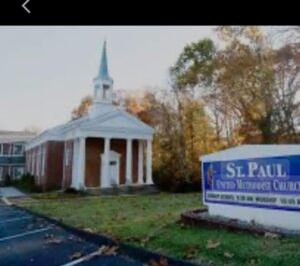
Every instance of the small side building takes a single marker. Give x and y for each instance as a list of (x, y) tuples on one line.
[(108, 147), (12, 153)]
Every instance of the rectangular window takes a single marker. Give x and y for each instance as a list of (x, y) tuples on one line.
[(6, 149), (18, 149)]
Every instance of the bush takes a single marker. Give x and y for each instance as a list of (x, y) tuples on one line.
[(166, 180), (71, 190), (7, 180), (27, 184)]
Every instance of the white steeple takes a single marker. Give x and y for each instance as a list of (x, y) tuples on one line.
[(103, 83), (103, 87)]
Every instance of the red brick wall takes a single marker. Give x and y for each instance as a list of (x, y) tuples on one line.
[(94, 147), (54, 165), (135, 152), (53, 171)]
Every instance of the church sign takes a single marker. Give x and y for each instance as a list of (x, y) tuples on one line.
[(259, 183), (272, 182)]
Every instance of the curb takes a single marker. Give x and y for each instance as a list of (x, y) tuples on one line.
[(194, 218), (137, 253)]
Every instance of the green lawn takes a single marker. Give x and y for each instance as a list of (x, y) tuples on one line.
[(152, 222)]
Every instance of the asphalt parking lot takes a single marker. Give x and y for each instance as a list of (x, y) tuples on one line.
[(26, 239)]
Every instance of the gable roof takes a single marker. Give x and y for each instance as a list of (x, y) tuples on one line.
[(115, 121)]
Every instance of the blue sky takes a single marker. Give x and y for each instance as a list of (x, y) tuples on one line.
[(45, 71)]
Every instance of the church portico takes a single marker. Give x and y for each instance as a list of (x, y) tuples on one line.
[(109, 162)]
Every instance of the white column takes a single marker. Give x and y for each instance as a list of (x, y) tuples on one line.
[(105, 179), (75, 164), (81, 163), (140, 163), (149, 180), (129, 161)]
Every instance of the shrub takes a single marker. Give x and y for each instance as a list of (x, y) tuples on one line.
[(71, 190), (7, 180), (166, 180), (27, 184)]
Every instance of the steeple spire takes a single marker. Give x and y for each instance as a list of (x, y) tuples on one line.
[(103, 71), (103, 83)]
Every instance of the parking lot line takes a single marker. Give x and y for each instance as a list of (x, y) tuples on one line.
[(85, 258), (25, 234), (10, 212), (15, 219)]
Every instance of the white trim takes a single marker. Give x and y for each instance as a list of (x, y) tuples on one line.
[(105, 182), (85, 127), (128, 161), (149, 180), (81, 163), (140, 162), (75, 171)]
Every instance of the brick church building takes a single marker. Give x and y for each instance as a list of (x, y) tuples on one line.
[(108, 147)]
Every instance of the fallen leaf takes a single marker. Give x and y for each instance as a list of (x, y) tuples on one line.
[(76, 255), (161, 262), (89, 230), (48, 236), (54, 241), (211, 244), (228, 255), (271, 235), (190, 253), (108, 250), (254, 261)]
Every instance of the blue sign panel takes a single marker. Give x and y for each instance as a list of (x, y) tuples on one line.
[(265, 182)]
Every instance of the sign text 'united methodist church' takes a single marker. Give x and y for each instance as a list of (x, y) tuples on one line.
[(265, 182)]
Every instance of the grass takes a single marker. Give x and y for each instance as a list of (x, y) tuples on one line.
[(152, 222)]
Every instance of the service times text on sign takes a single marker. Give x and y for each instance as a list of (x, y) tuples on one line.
[(265, 182)]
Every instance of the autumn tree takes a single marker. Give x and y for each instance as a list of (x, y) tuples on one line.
[(82, 109), (259, 83)]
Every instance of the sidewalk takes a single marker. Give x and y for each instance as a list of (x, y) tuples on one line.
[(11, 192)]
